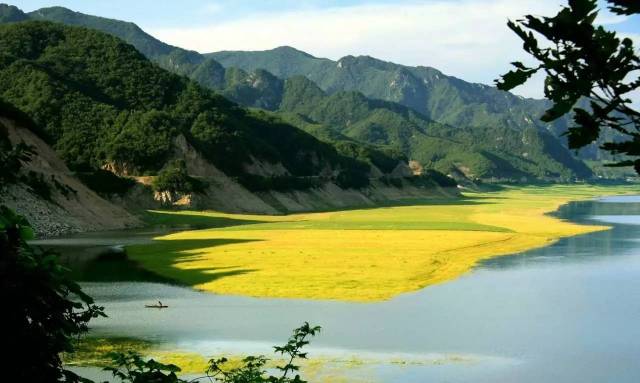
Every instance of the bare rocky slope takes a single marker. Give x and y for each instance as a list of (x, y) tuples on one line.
[(225, 193), (73, 207)]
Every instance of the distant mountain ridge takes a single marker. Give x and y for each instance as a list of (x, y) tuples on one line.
[(442, 98), (479, 119), (498, 153), (427, 90)]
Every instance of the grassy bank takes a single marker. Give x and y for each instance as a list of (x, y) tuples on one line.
[(360, 255)]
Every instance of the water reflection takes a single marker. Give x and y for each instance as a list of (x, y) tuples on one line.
[(100, 256), (589, 247)]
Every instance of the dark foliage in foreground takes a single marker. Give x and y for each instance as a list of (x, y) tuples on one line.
[(43, 310), (583, 61), (132, 368)]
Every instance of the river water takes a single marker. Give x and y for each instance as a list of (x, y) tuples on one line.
[(569, 312)]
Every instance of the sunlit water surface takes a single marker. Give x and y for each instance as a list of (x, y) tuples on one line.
[(569, 312)]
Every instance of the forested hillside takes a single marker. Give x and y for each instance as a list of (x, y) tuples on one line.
[(499, 152), (482, 132), (100, 102)]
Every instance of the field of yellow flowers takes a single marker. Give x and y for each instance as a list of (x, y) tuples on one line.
[(364, 254)]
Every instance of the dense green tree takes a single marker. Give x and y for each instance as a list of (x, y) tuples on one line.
[(105, 182), (143, 139), (174, 178), (584, 63), (349, 178)]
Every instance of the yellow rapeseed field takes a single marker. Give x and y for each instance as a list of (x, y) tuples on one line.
[(361, 255)]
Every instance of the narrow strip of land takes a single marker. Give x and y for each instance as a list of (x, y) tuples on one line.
[(360, 255)]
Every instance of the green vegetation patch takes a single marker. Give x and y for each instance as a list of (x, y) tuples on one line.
[(92, 351), (174, 178), (105, 182)]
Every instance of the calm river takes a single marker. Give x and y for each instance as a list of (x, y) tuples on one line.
[(567, 313)]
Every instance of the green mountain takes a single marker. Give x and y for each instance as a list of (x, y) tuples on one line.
[(181, 61), (100, 103), (428, 91), (171, 57), (439, 97), (343, 104), (249, 89), (495, 152), (283, 62), (258, 89)]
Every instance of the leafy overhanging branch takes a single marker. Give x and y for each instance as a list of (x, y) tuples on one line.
[(584, 61)]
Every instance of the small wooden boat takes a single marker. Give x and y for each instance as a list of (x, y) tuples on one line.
[(156, 306)]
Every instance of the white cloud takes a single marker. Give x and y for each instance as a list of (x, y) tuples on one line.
[(212, 8)]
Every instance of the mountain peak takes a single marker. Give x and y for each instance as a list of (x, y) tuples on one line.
[(10, 13), (55, 10), (289, 50), (128, 31), (68, 16), (365, 61)]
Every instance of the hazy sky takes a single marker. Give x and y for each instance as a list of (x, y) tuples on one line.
[(464, 38)]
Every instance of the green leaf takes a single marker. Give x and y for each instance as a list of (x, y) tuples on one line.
[(558, 110), (582, 8), (586, 131), (514, 78), (624, 7), (26, 233)]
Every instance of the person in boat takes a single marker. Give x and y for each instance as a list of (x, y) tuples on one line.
[(158, 305)]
